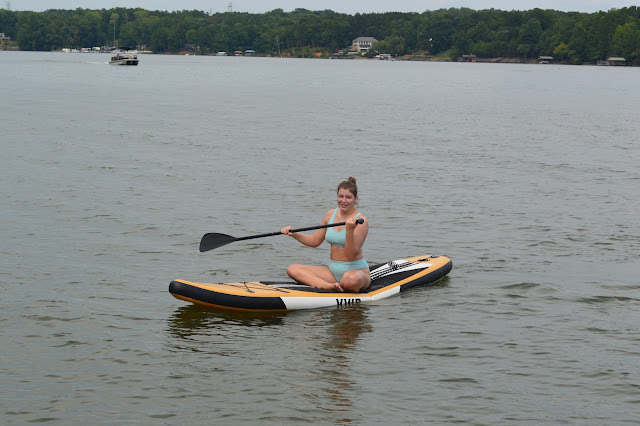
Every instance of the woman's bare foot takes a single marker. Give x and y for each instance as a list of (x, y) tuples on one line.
[(325, 285), (336, 286)]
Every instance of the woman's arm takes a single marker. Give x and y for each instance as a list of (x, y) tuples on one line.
[(313, 240), (356, 234)]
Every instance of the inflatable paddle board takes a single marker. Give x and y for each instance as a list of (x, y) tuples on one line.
[(387, 279)]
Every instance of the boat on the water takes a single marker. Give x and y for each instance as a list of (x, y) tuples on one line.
[(387, 279), (124, 56)]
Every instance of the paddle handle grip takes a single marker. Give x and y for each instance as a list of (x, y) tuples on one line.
[(330, 225)]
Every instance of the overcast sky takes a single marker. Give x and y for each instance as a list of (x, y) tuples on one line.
[(344, 6)]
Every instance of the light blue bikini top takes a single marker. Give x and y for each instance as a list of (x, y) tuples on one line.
[(336, 238)]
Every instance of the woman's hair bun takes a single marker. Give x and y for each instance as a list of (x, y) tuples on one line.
[(351, 179)]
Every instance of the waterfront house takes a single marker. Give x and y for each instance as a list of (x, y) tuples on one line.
[(363, 44), (545, 59), (4, 38)]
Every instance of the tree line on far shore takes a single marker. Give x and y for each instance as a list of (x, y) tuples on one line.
[(573, 37)]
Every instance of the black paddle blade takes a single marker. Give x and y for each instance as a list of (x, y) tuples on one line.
[(212, 241)]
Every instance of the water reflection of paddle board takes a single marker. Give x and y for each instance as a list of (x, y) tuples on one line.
[(387, 279)]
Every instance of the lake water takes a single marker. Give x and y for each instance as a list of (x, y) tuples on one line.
[(526, 176)]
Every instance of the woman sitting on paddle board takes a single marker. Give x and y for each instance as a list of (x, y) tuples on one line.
[(347, 270)]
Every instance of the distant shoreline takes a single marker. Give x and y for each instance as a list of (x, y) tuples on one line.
[(404, 58)]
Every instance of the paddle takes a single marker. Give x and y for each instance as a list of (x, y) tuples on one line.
[(214, 240)]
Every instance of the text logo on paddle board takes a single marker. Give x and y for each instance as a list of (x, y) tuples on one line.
[(347, 302)]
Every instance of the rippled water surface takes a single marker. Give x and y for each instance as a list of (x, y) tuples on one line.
[(526, 176)]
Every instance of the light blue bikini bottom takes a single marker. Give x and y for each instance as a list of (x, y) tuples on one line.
[(338, 268)]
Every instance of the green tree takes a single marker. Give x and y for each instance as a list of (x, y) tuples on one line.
[(31, 31), (561, 51), (160, 40), (307, 30), (285, 32), (128, 34), (334, 33), (8, 20), (578, 44), (442, 30), (524, 49), (392, 44), (238, 38), (529, 36), (480, 32), (265, 40), (461, 44), (626, 42), (500, 43), (221, 39), (113, 21), (56, 35), (406, 31)]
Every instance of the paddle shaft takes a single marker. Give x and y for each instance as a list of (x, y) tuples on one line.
[(213, 240), (308, 228)]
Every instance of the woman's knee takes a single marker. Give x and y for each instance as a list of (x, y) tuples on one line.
[(354, 281), (292, 270)]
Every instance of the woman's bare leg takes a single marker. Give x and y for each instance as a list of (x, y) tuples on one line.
[(315, 276), (355, 280)]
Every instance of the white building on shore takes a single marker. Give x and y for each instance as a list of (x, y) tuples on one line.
[(363, 44)]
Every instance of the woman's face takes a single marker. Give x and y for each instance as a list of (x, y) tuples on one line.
[(346, 200)]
